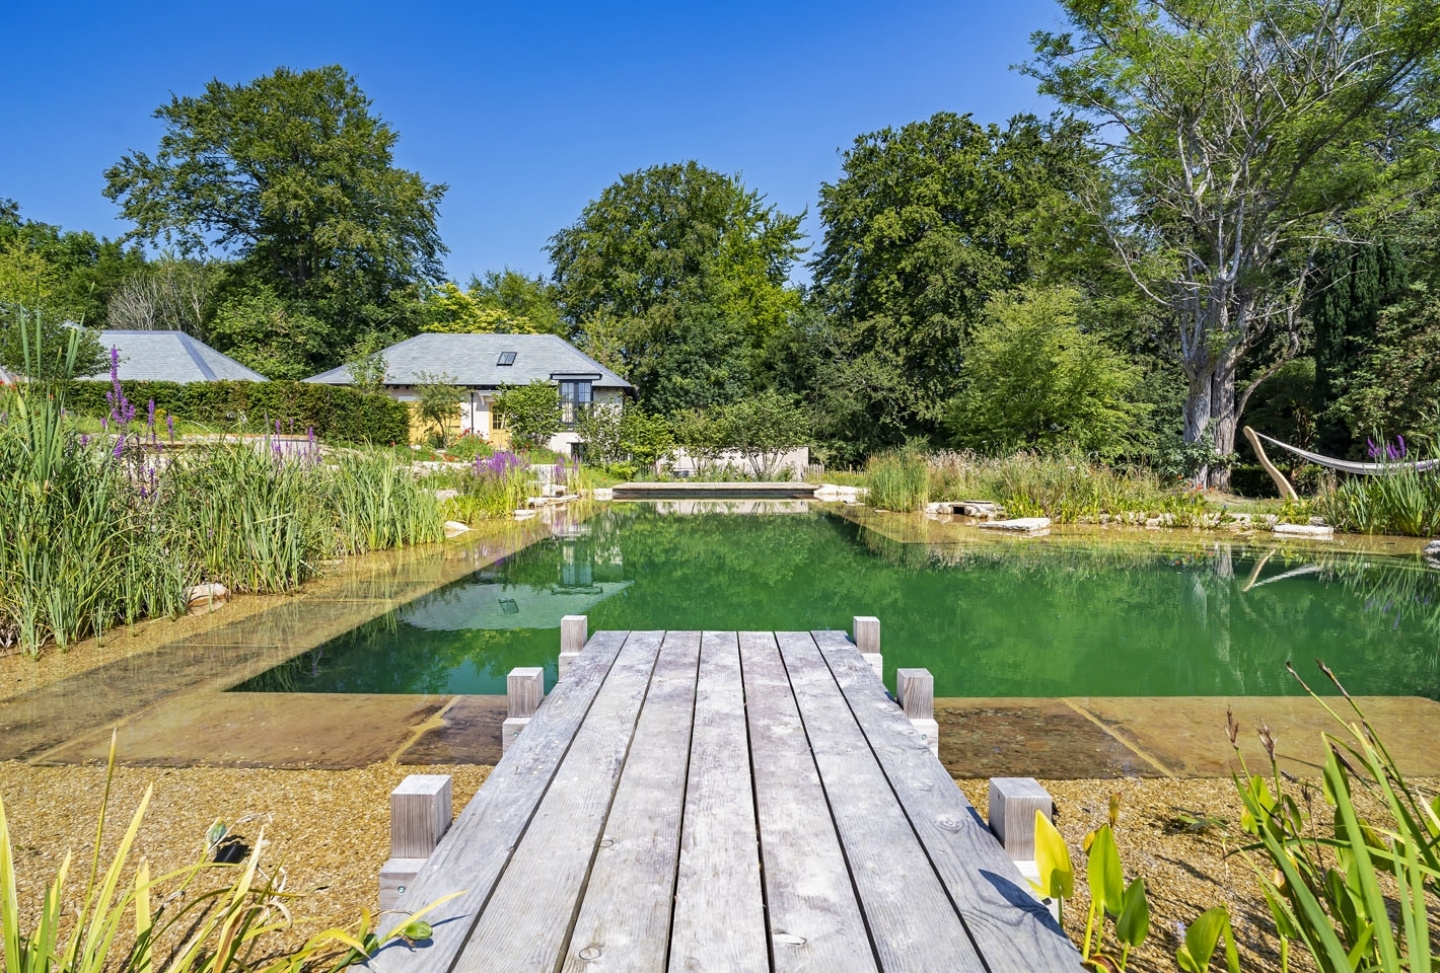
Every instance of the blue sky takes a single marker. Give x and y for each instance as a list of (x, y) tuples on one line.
[(527, 111)]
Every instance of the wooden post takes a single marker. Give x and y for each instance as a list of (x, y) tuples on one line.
[(420, 810), (574, 632), (867, 640), (524, 692), (1013, 803), (915, 689)]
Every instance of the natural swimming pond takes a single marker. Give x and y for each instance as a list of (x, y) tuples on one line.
[(1007, 617)]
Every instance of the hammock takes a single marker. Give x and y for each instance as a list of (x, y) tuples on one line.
[(1346, 466)]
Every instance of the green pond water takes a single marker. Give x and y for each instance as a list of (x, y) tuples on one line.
[(1024, 617)]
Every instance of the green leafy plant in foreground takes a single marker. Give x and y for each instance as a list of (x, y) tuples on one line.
[(127, 922), (1127, 905), (1356, 892)]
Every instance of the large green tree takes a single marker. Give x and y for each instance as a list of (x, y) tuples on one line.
[(293, 175), (1033, 379), (65, 274), (678, 277), (1352, 284), (927, 223), (1242, 132)]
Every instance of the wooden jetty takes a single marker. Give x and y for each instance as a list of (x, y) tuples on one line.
[(719, 801)]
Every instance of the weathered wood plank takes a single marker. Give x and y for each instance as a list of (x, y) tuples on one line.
[(473, 852), (719, 920), (525, 925), (912, 922), (815, 920), (1012, 930), (624, 921)]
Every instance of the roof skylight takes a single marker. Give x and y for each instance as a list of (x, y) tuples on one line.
[(506, 358)]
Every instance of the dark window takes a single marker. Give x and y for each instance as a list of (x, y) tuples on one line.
[(506, 358), (574, 398)]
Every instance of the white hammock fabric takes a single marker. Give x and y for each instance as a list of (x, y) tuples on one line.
[(1347, 466)]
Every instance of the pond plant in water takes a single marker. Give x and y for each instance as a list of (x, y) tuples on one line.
[(96, 530)]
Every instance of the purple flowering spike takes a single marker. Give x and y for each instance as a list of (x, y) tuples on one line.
[(1373, 450), (1403, 450), (150, 414), (170, 425), (119, 445)]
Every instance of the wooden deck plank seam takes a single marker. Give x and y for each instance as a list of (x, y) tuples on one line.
[(609, 806), (684, 791), (755, 805), (939, 875), (474, 922), (830, 808)]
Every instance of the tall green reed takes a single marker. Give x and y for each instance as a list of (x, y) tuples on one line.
[(1401, 502), (898, 481), (95, 531), (82, 540)]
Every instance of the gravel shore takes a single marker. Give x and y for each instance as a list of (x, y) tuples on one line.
[(329, 831)]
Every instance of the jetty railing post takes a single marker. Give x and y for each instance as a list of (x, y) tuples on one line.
[(574, 632), (1013, 803), (915, 689), (420, 811), (524, 692), (867, 640)]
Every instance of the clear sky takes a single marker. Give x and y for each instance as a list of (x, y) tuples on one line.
[(525, 110)]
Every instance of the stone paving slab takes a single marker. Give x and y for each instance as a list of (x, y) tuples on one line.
[(327, 731), (1187, 734)]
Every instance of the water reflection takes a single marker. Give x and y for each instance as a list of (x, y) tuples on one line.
[(1014, 617)]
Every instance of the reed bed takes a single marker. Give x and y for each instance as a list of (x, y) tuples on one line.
[(1402, 502), (1064, 488), (96, 531)]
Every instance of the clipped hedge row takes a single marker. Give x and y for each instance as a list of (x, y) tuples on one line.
[(337, 413)]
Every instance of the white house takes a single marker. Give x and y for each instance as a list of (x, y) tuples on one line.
[(481, 363)]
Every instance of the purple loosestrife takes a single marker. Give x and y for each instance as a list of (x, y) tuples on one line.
[(170, 425)]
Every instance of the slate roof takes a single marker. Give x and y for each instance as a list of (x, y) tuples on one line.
[(171, 356), (473, 360)]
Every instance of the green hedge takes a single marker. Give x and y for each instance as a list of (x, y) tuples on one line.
[(336, 412)]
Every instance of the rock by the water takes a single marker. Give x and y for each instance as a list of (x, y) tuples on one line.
[(206, 597), (1432, 549), (1020, 525), (454, 528), (1304, 530), (443, 495)]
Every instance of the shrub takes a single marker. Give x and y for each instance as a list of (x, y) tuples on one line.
[(1032, 379), (530, 412), (336, 413)]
